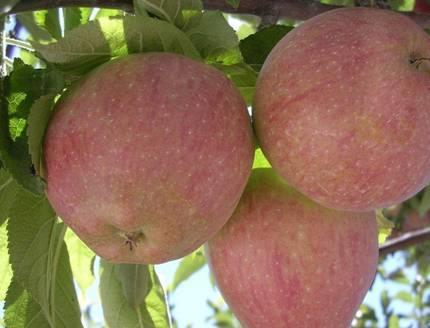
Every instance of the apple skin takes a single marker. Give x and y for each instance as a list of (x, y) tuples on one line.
[(422, 6), (343, 114), (284, 261), (146, 157)]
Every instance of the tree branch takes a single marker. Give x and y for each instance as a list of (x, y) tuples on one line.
[(404, 241), (292, 9)]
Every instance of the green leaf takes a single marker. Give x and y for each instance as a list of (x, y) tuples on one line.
[(40, 261), (84, 14), (244, 78), (91, 44), (81, 261), (385, 226), (399, 277), (260, 161), (73, 17), (385, 300), (104, 12), (34, 24), (171, 11), (424, 205), (5, 269), (405, 297), (52, 23), (22, 311), (8, 190), (394, 322), (256, 47), (15, 158), (212, 35), (117, 311), (37, 123), (188, 266), (22, 88), (135, 280)]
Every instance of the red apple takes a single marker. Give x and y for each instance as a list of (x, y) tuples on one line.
[(342, 108), (284, 261), (422, 6), (146, 158)]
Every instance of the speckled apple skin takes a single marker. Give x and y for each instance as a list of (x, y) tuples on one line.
[(342, 114), (284, 261), (155, 145)]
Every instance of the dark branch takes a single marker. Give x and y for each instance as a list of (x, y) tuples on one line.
[(33, 5), (292, 9), (408, 239)]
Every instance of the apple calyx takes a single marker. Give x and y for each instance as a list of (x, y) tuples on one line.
[(132, 238), (417, 61)]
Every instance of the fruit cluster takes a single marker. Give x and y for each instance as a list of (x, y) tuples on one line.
[(150, 156)]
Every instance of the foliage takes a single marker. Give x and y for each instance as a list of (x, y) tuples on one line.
[(41, 261)]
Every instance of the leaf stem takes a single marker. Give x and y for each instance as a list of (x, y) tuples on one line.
[(19, 43), (54, 259)]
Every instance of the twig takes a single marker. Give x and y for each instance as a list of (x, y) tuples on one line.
[(404, 241), (290, 9)]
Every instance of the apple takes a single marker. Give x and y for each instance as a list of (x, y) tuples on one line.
[(283, 260), (422, 6), (147, 156), (341, 108)]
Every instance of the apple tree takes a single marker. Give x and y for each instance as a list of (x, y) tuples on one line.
[(185, 55)]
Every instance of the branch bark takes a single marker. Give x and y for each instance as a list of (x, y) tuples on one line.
[(292, 9), (408, 239)]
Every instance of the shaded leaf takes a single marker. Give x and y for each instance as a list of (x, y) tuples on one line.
[(234, 3), (170, 11), (8, 190), (211, 35), (37, 123), (135, 280), (187, 267), (40, 261), (91, 44), (424, 205), (399, 277), (22, 88), (257, 46), (117, 311)]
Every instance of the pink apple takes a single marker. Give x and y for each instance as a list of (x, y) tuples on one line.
[(146, 158), (342, 108), (283, 261)]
